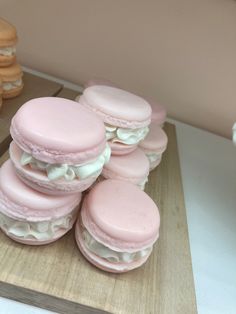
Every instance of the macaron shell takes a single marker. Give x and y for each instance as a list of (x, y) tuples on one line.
[(8, 36), (12, 92), (117, 107), (6, 61), (11, 73), (134, 167), (158, 112), (121, 149), (39, 181), (21, 202), (102, 263), (58, 130), (155, 141), (121, 216), (99, 81)]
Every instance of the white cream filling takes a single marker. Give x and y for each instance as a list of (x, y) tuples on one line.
[(142, 184), (11, 85), (111, 255), (7, 51), (44, 230), (125, 136), (68, 172), (152, 157)]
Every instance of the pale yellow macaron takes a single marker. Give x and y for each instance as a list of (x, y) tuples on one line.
[(12, 83), (8, 40)]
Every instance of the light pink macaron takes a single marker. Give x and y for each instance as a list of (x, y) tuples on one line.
[(154, 145), (133, 167), (117, 226), (126, 116), (99, 81), (59, 147), (30, 217), (158, 112)]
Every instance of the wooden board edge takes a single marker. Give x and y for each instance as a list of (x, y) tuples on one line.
[(45, 301), (172, 126)]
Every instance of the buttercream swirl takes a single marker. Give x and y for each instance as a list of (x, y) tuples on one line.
[(110, 255), (43, 230), (125, 135), (7, 51), (142, 184), (11, 85), (152, 157), (68, 172)]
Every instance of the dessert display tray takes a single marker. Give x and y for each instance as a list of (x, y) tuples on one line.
[(58, 278)]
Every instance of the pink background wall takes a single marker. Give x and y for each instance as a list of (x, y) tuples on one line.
[(182, 53)]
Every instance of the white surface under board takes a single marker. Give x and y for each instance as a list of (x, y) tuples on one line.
[(208, 166)]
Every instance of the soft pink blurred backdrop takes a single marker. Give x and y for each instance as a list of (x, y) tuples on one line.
[(181, 53)]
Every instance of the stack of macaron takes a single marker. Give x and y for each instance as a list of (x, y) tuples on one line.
[(10, 71), (126, 118), (58, 150), (130, 122)]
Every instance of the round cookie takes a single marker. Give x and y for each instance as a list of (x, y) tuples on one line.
[(117, 226), (99, 81), (154, 145), (133, 168), (59, 146), (12, 82), (30, 217), (8, 40), (126, 116), (158, 113)]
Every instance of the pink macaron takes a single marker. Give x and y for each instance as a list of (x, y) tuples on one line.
[(126, 116), (133, 167), (154, 145), (58, 147), (117, 226), (99, 81), (30, 217), (158, 113)]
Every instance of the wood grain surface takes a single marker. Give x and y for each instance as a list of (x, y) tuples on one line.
[(34, 87), (68, 93), (57, 276)]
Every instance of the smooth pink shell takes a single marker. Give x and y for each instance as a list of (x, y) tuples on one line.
[(58, 130), (117, 107), (99, 81), (19, 201), (158, 112), (102, 263), (133, 167), (121, 216), (119, 149), (155, 141), (39, 181)]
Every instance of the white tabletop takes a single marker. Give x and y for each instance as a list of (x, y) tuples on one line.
[(208, 166), (209, 179)]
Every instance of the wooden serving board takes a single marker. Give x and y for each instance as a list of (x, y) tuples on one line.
[(58, 278), (34, 87)]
